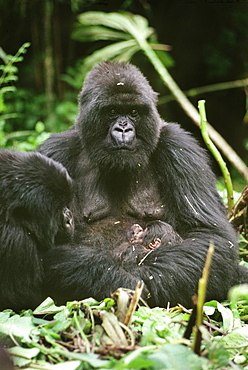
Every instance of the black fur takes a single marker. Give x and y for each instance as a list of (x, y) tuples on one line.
[(131, 167), (34, 191)]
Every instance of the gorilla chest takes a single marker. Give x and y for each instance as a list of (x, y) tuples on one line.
[(110, 213), (143, 200), (121, 197)]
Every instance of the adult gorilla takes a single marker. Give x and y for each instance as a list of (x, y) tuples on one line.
[(34, 192), (130, 167)]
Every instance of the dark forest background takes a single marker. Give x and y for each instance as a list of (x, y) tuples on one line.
[(208, 42)]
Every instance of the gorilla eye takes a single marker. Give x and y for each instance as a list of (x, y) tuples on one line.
[(134, 112), (112, 111)]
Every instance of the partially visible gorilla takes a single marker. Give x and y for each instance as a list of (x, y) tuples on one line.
[(131, 171), (130, 167), (34, 192)]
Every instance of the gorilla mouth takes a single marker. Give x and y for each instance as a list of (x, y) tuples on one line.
[(123, 147)]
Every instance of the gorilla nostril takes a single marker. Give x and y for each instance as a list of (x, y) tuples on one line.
[(119, 129)]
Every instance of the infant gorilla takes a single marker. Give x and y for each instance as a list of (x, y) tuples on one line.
[(141, 242)]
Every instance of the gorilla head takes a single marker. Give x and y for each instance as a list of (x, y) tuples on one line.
[(34, 192), (118, 121)]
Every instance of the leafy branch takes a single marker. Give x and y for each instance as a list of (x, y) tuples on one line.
[(9, 71)]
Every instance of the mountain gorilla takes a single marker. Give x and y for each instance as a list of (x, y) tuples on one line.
[(34, 192), (130, 167)]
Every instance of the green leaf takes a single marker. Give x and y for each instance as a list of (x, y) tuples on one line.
[(127, 55), (56, 326), (27, 353), (68, 365), (108, 52), (112, 20), (39, 127), (227, 317), (93, 33), (209, 310), (2, 105), (176, 357), (126, 22), (21, 328), (9, 68), (140, 22), (10, 78), (5, 89), (48, 307), (235, 340), (90, 302), (239, 291), (90, 358), (137, 359), (169, 356), (218, 355), (3, 55)]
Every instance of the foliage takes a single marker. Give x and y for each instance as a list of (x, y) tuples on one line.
[(7, 78), (28, 127), (128, 31), (90, 335), (24, 109), (32, 113), (23, 140), (9, 72), (30, 109)]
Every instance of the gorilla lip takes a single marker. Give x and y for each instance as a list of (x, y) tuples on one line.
[(123, 147)]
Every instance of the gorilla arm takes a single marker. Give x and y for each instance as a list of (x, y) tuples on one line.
[(81, 272)]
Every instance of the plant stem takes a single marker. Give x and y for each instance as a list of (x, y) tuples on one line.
[(216, 154), (202, 289), (206, 89)]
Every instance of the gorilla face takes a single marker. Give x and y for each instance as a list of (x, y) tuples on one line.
[(121, 134), (120, 106)]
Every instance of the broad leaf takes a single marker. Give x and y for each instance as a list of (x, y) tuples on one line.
[(94, 33), (135, 25), (109, 52)]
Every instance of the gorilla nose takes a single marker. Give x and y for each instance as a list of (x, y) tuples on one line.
[(123, 132)]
